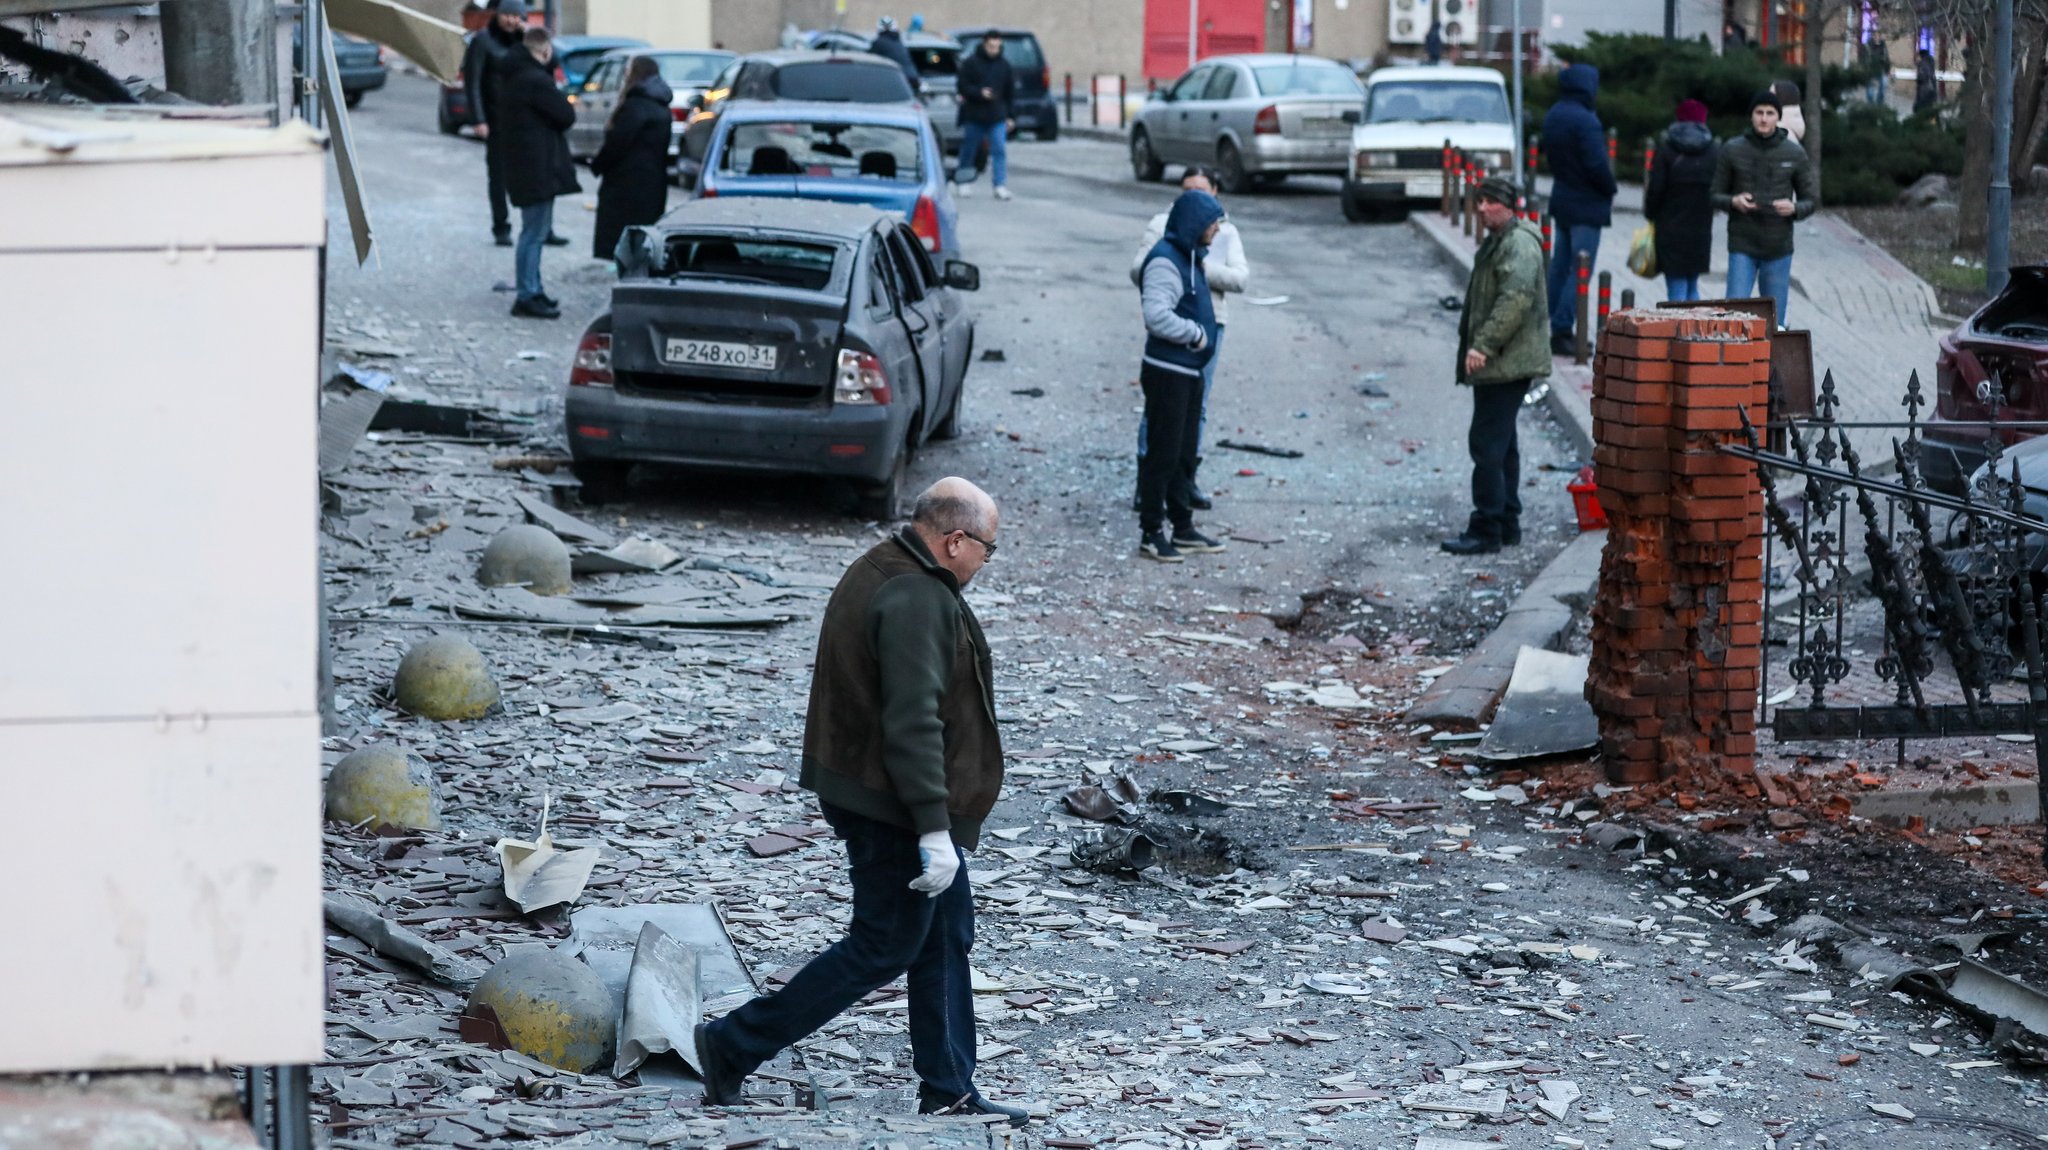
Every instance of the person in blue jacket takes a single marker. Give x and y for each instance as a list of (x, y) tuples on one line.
[(1180, 338), (1581, 192)]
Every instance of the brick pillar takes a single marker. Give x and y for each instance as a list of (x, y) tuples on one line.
[(1677, 628)]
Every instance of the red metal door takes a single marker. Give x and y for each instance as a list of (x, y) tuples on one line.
[(1224, 27)]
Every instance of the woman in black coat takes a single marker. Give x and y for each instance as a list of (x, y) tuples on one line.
[(634, 159), (1676, 201)]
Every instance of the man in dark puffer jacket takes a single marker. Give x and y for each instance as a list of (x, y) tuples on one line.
[(900, 746), (1581, 192)]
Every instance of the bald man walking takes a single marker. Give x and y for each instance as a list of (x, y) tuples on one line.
[(900, 747)]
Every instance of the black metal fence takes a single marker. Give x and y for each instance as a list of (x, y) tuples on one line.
[(1913, 609), (278, 1101)]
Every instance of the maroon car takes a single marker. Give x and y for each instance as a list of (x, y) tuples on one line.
[(2007, 340)]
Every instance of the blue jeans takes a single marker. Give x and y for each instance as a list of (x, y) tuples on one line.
[(1208, 381), (1681, 289), (971, 136), (536, 223), (894, 930), (1565, 244), (1748, 275)]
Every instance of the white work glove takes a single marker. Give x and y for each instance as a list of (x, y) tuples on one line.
[(941, 863)]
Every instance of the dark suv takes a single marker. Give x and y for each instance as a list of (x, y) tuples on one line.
[(1031, 105)]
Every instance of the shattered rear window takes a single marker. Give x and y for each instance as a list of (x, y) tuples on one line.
[(784, 263)]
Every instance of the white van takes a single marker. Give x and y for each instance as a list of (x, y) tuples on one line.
[(1397, 145)]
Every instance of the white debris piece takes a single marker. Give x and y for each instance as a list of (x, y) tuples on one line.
[(1893, 1110)]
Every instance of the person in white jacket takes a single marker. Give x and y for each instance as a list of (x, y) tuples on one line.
[(1227, 272)]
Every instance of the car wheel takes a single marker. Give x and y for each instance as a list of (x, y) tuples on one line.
[(604, 480), (949, 427), (1049, 128), (883, 501), (351, 99), (1230, 169), (446, 122), (1144, 164)]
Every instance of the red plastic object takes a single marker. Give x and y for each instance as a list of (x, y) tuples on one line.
[(1586, 501)]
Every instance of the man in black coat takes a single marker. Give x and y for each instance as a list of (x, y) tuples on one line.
[(634, 159), (532, 118), (480, 62), (985, 84)]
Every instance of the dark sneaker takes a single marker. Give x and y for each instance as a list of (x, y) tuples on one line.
[(549, 300), (1157, 546), (1200, 502), (1192, 542), (721, 1079), (1511, 535), (535, 309), (1469, 544), (973, 1105), (502, 239), (556, 241), (1563, 343)]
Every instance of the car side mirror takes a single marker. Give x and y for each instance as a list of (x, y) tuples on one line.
[(636, 253), (962, 276), (1354, 116)]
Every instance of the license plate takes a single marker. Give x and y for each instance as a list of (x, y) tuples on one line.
[(1324, 126), (713, 353)]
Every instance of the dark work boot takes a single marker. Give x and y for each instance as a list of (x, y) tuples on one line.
[(721, 1078), (970, 1106), (1470, 544), (1511, 535)]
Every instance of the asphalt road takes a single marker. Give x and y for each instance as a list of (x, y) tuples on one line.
[(1204, 1005)]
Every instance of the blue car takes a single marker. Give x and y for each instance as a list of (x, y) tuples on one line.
[(882, 155)]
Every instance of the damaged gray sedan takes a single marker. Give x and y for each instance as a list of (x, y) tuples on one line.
[(776, 337)]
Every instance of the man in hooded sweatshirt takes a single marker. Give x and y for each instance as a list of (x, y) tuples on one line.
[(1581, 192), (1180, 339), (888, 44), (1764, 182), (1676, 201)]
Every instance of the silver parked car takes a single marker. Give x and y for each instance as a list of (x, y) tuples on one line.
[(1257, 118), (689, 75)]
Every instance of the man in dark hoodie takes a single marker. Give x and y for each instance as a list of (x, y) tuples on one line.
[(888, 44), (1764, 182), (901, 748), (1676, 201), (1180, 338), (532, 116), (1581, 193)]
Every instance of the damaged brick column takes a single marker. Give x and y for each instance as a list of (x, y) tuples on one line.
[(1677, 628)]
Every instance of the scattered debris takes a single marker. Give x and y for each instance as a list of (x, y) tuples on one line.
[(538, 876), (1259, 449), (1544, 712)]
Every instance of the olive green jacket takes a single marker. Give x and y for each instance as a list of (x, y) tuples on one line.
[(902, 720), (1770, 170), (1507, 316)]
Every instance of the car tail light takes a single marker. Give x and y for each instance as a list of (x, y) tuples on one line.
[(860, 379), (593, 367), (1045, 78), (924, 220), (1268, 123), (705, 191), (561, 77), (678, 114), (380, 53)]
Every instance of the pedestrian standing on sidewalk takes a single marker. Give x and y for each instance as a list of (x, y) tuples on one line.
[(1764, 182), (1180, 339), (1227, 271), (532, 118), (1791, 115), (985, 84), (1500, 353), (901, 748), (480, 64), (1678, 201), (1581, 193), (633, 163)]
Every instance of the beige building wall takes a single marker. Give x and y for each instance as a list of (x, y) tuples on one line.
[(662, 23), (1081, 37)]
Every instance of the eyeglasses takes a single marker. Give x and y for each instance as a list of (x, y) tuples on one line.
[(988, 546)]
